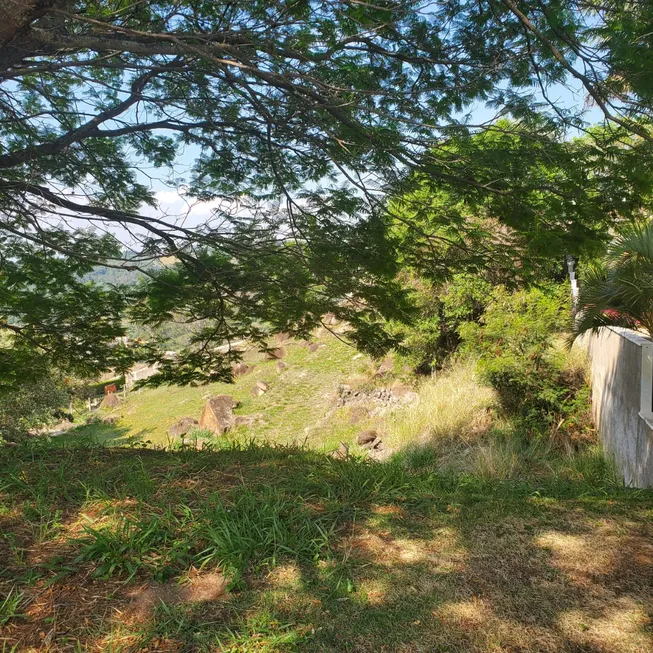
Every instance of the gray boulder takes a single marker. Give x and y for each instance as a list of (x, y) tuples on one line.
[(182, 427)]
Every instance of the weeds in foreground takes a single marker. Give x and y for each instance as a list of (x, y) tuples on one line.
[(11, 605), (131, 546), (320, 554), (262, 528)]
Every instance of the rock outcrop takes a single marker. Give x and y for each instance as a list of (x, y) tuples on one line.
[(372, 442), (275, 354), (110, 401), (182, 427), (375, 401), (240, 369), (365, 437), (218, 414), (259, 388)]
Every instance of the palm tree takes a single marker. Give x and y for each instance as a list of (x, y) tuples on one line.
[(619, 290)]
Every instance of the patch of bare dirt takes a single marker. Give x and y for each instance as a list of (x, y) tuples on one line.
[(202, 588)]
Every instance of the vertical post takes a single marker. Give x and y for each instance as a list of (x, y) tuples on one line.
[(646, 383), (573, 279)]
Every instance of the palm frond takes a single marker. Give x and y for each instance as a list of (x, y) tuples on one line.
[(619, 291)]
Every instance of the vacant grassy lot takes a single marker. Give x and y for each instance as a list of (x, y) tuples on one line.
[(473, 537), (259, 548)]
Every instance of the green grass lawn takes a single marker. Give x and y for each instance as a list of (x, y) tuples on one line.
[(259, 548)]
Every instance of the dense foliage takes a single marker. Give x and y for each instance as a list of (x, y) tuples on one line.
[(36, 402), (440, 310), (514, 341), (618, 290), (50, 317), (536, 197), (295, 119)]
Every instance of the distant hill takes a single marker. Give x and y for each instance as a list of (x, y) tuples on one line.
[(107, 276)]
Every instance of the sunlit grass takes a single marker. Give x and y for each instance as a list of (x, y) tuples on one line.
[(307, 553), (288, 413), (475, 536), (453, 406)]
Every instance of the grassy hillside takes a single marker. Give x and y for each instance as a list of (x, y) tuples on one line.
[(299, 398), (474, 537), (454, 426), (301, 404)]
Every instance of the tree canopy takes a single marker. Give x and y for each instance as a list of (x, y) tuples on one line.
[(298, 119), (535, 198)]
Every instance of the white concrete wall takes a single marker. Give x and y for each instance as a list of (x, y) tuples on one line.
[(139, 372), (622, 400)]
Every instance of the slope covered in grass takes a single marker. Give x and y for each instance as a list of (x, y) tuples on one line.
[(301, 404), (476, 535), (298, 398), (284, 549)]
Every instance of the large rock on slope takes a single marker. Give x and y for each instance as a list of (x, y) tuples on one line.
[(240, 369), (259, 389), (275, 354), (366, 437), (386, 368), (218, 414), (182, 427), (110, 401)]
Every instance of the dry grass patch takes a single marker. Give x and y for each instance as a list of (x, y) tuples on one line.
[(453, 407)]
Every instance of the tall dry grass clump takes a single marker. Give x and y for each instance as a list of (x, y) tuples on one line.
[(455, 410)]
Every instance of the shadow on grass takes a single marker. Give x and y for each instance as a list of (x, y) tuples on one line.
[(102, 434), (319, 554)]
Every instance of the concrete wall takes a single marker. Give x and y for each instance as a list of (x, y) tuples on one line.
[(622, 400), (139, 372)]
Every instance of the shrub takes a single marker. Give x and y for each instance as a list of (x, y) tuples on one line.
[(618, 291), (434, 335), (514, 342), (33, 404)]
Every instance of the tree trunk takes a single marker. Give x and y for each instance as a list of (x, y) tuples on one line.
[(16, 18)]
